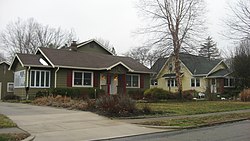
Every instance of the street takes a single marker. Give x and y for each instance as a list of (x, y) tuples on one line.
[(238, 131)]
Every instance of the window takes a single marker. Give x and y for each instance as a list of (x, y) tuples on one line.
[(19, 79), (82, 79), (10, 87), (132, 81), (39, 79), (229, 82), (195, 82), (172, 83)]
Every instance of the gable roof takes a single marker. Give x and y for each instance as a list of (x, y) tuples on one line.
[(89, 60), (220, 73), (4, 62), (97, 42), (197, 65)]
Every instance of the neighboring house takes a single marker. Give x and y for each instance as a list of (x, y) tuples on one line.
[(6, 80), (84, 65), (197, 73)]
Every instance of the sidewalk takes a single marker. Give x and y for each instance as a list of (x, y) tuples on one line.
[(135, 121)]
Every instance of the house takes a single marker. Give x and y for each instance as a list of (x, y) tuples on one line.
[(197, 73), (6, 80), (85, 65)]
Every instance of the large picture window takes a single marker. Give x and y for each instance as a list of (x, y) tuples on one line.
[(39, 79), (82, 79), (195, 82), (19, 79), (132, 81)]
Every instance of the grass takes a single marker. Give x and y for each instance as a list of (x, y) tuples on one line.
[(195, 107), (199, 121), (5, 122), (13, 137)]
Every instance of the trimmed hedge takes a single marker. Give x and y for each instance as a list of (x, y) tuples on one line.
[(157, 94), (75, 93)]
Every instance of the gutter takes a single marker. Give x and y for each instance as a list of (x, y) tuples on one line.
[(56, 75)]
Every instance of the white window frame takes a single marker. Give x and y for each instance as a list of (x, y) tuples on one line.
[(8, 87), (132, 80), (92, 79), (229, 79), (170, 84), (40, 79), (195, 82), (15, 86)]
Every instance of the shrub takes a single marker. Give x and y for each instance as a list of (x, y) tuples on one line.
[(189, 94), (116, 105), (136, 94), (245, 95), (11, 97), (231, 93), (42, 94), (156, 94)]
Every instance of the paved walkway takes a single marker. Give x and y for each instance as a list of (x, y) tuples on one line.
[(53, 124), (133, 121)]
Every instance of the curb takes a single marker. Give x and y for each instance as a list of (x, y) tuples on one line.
[(30, 138)]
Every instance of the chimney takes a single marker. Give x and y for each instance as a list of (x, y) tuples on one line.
[(73, 46)]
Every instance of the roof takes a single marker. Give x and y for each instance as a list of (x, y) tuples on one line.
[(31, 60), (198, 65), (4, 62), (170, 75), (90, 60), (220, 73), (158, 65)]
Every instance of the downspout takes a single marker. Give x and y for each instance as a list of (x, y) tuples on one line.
[(56, 75), (27, 83)]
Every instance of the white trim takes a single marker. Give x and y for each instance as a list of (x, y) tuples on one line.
[(139, 78), (9, 87), (185, 67), (229, 80), (120, 63), (86, 86), (91, 40), (195, 82), (175, 83), (4, 62), (214, 68), (39, 49), (162, 67), (40, 71), (16, 56)]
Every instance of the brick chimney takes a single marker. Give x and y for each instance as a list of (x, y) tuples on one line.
[(73, 46)]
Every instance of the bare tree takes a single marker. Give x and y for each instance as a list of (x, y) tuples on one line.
[(146, 55), (208, 49), (107, 45), (239, 21), (25, 36), (174, 24)]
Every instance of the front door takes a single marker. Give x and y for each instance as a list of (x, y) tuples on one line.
[(113, 83), (213, 86)]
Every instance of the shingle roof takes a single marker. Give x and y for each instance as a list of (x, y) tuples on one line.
[(158, 65), (31, 60), (220, 73), (89, 60), (197, 64)]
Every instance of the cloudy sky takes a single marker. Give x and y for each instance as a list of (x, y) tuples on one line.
[(113, 20)]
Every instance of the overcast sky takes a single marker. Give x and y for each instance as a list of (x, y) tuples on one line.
[(113, 20)]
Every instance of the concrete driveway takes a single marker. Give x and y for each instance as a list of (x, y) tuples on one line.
[(53, 124)]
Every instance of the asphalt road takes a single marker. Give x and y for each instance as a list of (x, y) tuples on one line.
[(238, 131)]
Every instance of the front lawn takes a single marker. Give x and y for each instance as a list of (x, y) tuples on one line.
[(5, 122), (194, 107), (199, 121)]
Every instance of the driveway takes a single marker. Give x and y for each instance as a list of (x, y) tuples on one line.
[(53, 124)]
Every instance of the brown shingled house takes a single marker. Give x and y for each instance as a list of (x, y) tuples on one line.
[(84, 65)]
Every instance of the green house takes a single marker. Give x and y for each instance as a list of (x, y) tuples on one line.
[(6, 80), (85, 65)]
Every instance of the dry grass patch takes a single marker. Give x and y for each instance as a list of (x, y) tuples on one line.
[(199, 121), (195, 107), (5, 122)]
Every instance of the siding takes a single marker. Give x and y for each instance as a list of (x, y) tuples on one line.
[(93, 47), (5, 77)]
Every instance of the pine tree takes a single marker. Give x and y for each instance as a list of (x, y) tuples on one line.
[(209, 49)]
